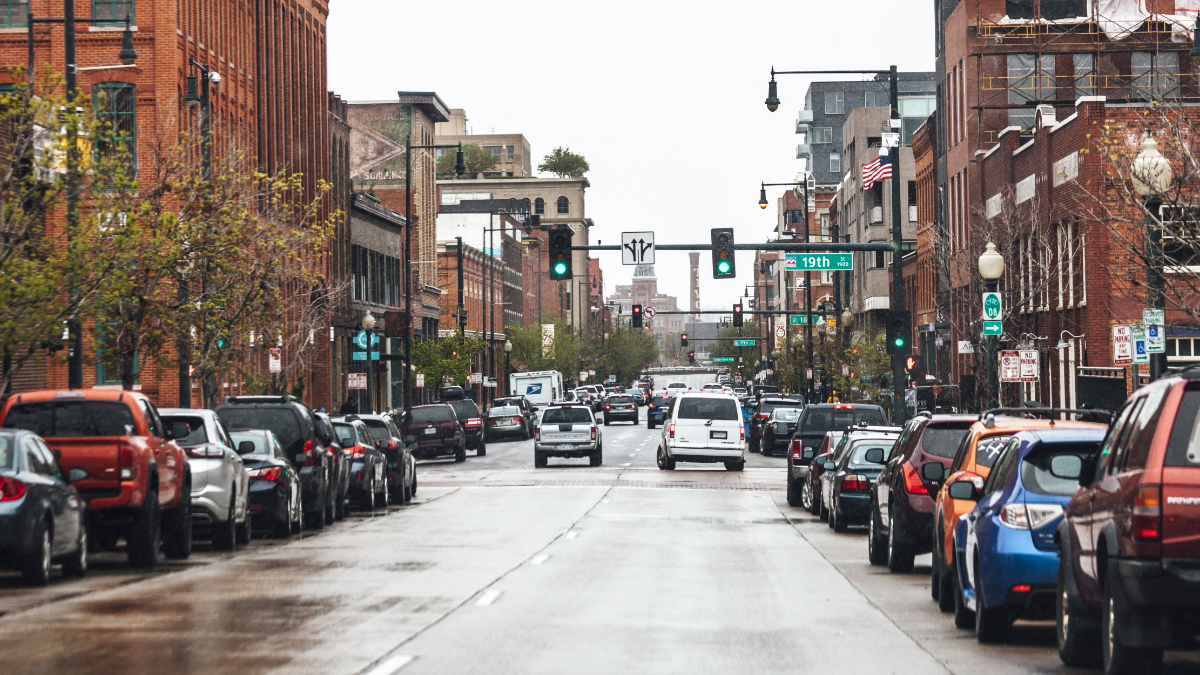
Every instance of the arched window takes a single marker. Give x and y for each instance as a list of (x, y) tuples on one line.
[(539, 206), (564, 205)]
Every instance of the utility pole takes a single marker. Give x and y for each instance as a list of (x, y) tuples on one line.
[(898, 407), (462, 324)]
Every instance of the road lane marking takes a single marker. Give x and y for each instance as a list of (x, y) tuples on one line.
[(632, 454), (539, 559), (488, 598), (391, 665), (605, 501), (627, 464), (572, 534)]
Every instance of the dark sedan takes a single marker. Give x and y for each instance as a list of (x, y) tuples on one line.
[(778, 429), (620, 407), (527, 410), (849, 481), (41, 514), (765, 407), (368, 466), (656, 411), (401, 467), (275, 492)]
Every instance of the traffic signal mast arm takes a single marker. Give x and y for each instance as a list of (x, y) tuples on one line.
[(765, 246)]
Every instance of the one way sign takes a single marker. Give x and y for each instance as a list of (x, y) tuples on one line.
[(637, 248)]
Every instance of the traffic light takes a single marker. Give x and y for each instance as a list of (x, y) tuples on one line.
[(899, 331), (910, 363), (683, 340), (771, 362), (737, 315), (691, 357), (560, 253), (636, 321), (724, 265)]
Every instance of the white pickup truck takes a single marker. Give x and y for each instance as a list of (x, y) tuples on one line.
[(567, 430)]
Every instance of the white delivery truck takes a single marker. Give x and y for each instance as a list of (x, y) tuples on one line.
[(541, 388)]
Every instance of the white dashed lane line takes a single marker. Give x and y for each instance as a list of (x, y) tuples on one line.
[(488, 598), (391, 665), (539, 559)]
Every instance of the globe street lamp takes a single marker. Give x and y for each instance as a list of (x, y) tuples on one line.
[(368, 324), (507, 351), (991, 268), (1152, 177)]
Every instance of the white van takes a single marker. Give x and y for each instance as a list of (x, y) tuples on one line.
[(703, 428), (540, 388)]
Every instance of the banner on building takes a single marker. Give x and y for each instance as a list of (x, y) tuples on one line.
[(276, 360), (547, 340)]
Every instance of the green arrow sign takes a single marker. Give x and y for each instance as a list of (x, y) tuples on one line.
[(993, 328), (991, 307), (819, 261), (743, 343), (722, 359), (798, 319)]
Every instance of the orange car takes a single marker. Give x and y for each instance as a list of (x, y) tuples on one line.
[(978, 451)]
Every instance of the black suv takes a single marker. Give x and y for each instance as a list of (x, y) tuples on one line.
[(902, 498), (472, 423), (303, 439), (815, 421), (759, 418), (400, 465)]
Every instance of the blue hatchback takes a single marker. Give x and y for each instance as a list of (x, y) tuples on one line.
[(1005, 553)]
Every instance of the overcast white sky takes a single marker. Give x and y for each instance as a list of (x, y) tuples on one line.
[(664, 99)]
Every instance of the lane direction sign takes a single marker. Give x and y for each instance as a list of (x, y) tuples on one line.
[(637, 248)]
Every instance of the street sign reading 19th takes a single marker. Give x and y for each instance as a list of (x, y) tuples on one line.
[(743, 343), (805, 262)]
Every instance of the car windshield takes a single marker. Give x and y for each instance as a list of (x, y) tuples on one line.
[(504, 402), (197, 434), (7, 456), (379, 429), (283, 422), (1035, 470), (766, 407), (259, 441), (660, 400), (432, 413), (66, 419), (821, 420), (787, 415), (620, 399), (567, 416), (505, 411), (943, 441), (677, 385), (709, 408), (465, 409), (858, 454), (987, 450)]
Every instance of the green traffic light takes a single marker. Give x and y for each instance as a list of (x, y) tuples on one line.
[(723, 267), (899, 342), (560, 268)]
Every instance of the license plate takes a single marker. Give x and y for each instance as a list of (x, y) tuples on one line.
[(564, 446), (430, 430), (718, 434)]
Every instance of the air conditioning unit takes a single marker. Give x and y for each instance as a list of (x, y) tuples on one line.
[(804, 117), (803, 151), (876, 214), (802, 128)]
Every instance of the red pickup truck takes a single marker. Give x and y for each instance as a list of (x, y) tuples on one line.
[(137, 483)]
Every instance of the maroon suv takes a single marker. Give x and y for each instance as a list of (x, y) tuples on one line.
[(437, 432), (1129, 580)]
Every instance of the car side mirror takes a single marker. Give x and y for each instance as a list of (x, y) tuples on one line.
[(410, 439), (347, 442), (875, 456), (829, 466), (933, 471), (300, 458), (245, 447), (963, 489), (75, 475), (178, 430), (1066, 466)]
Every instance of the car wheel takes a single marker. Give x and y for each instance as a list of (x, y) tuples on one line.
[(824, 512), (991, 623), (806, 497), (460, 455), (177, 545), (381, 500), (794, 497), (225, 534), (899, 557), (839, 522), (875, 551), (482, 449), (35, 570), (814, 498), (343, 505), (935, 576), (539, 459), (606, 420), (1121, 659), (331, 504), (1078, 645), (945, 576), (297, 523), (755, 445), (145, 534), (597, 457), (963, 617), (665, 461), (315, 520), (76, 566), (245, 529), (735, 466)]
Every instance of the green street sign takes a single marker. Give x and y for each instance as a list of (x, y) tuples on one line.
[(798, 319), (743, 343), (362, 356), (722, 359), (805, 262), (991, 307), (993, 327)]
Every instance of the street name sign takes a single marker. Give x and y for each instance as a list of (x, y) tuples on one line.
[(743, 343), (1140, 355), (1010, 365), (824, 262), (991, 307), (1122, 339), (798, 319), (637, 248), (362, 356), (993, 328), (722, 359)]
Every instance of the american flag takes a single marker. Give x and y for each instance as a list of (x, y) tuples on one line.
[(877, 170)]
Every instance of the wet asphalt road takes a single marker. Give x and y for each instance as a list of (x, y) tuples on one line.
[(500, 568)]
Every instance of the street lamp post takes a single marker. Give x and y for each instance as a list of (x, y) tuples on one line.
[(991, 268), (808, 336), (507, 370), (368, 324), (1151, 178)]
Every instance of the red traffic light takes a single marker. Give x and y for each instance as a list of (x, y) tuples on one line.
[(909, 363), (637, 309)]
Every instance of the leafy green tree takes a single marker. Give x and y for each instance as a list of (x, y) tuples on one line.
[(476, 159), (564, 164), (446, 361), (868, 364)]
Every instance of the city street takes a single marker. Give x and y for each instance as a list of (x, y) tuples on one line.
[(496, 567)]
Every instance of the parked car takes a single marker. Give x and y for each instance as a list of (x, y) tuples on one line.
[(640, 396), (220, 488), (620, 407), (656, 410), (294, 425), (703, 428), (275, 491), (132, 474), (339, 461), (505, 422), (901, 524), (1131, 535), (437, 432), (401, 468), (808, 467), (846, 481), (567, 430), (368, 466), (529, 412), (973, 460), (41, 513), (777, 430), (472, 423), (1004, 549), (765, 407)]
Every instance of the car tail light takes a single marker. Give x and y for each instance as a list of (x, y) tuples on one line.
[(517, 419), (11, 489), (797, 448), (672, 430), (537, 433), (474, 422), (1021, 516), (593, 433), (608, 407), (270, 473), (356, 450), (843, 406), (204, 451), (392, 444), (761, 416), (912, 482), (855, 482), (308, 453), (1147, 513), (1022, 588), (125, 462), (742, 431)]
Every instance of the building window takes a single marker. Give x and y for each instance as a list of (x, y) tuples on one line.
[(1085, 74), (14, 12), (510, 153), (1030, 79), (878, 261), (835, 103), (835, 163), (116, 112), (1155, 74), (822, 135), (539, 206), (564, 205), (112, 11), (497, 152), (869, 99), (913, 113), (825, 226)]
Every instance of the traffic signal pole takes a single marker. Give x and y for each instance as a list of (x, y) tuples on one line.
[(898, 405)]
